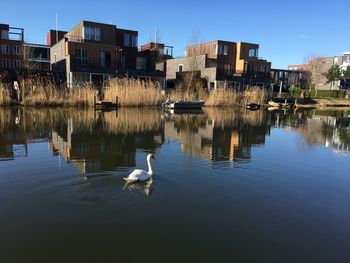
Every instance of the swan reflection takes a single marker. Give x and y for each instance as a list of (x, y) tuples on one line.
[(144, 187)]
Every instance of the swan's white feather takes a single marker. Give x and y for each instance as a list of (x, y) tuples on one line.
[(137, 175)]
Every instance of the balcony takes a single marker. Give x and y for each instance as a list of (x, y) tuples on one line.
[(75, 39), (13, 33)]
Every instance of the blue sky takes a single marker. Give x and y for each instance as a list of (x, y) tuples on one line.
[(287, 31)]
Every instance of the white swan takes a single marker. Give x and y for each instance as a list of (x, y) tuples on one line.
[(141, 175)]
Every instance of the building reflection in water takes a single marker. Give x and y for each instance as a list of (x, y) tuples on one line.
[(109, 141), (218, 134), (329, 128), (17, 130)]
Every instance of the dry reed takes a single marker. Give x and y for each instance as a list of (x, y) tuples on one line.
[(4, 96), (41, 93), (222, 97), (134, 93)]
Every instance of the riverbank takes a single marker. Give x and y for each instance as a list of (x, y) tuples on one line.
[(128, 92), (138, 93), (326, 103)]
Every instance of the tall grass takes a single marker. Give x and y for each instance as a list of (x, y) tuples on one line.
[(4, 95), (222, 97), (130, 92), (134, 93), (45, 93)]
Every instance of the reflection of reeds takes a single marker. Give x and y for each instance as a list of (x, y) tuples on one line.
[(134, 93), (129, 120), (124, 121), (227, 118)]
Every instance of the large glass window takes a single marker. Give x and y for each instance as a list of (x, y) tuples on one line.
[(4, 49), (227, 69), (5, 63), (347, 59), (130, 40), (81, 56), (253, 52), (221, 49), (16, 50), (105, 59), (141, 63), (92, 33), (4, 34), (16, 64)]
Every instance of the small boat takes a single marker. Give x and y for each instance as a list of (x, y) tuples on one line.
[(180, 104), (252, 106)]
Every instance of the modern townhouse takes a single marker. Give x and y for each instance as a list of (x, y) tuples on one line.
[(221, 64), (91, 52)]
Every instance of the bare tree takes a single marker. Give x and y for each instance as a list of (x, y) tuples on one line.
[(314, 76), (192, 80)]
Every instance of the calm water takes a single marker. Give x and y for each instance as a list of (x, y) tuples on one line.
[(229, 186)]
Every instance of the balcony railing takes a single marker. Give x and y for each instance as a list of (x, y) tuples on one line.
[(75, 39)]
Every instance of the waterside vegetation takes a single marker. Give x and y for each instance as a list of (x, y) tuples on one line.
[(129, 92)]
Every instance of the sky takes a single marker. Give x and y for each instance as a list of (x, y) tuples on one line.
[(287, 31)]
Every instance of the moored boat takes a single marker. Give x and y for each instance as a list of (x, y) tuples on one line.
[(180, 104)]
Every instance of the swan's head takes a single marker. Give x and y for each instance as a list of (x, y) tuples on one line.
[(150, 156)]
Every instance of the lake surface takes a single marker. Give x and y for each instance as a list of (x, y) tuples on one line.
[(230, 186)]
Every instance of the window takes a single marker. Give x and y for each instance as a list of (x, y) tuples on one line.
[(4, 49), (181, 68), (253, 52), (280, 74), (16, 64), (141, 63), (221, 50), (16, 50), (4, 34), (5, 63), (347, 59), (130, 40), (227, 69), (286, 74), (105, 59), (81, 56), (92, 33)]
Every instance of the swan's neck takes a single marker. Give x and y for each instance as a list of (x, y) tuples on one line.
[(150, 171)]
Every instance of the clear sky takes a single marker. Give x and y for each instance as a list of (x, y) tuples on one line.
[(287, 31)]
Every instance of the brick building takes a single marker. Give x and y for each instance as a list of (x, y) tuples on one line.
[(11, 44)]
